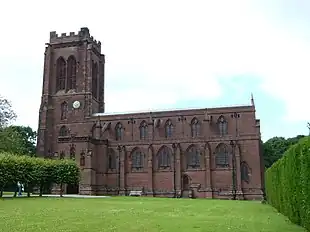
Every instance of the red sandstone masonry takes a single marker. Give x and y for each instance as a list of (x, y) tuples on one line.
[(95, 134)]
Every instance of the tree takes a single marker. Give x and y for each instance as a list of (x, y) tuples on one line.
[(28, 137), (274, 148), (18, 140), (7, 115), (11, 141)]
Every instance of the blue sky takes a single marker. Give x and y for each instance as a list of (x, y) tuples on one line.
[(172, 54)]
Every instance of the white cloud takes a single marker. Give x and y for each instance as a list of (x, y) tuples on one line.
[(165, 51)]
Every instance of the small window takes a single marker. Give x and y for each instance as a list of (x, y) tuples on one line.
[(63, 131), (64, 110), (119, 131), (169, 129), (111, 159), (222, 124), (143, 130), (195, 128)]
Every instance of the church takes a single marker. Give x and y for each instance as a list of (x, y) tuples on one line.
[(201, 153)]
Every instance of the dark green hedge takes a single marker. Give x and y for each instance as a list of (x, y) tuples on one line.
[(36, 172), (288, 183)]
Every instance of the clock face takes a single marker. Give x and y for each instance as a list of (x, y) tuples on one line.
[(76, 104)]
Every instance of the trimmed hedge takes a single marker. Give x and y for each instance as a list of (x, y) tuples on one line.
[(36, 172), (288, 183)]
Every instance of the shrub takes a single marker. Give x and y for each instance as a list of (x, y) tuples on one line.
[(288, 183), (36, 171)]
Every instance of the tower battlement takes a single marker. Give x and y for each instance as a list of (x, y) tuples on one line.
[(82, 35)]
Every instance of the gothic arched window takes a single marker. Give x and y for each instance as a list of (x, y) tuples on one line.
[(63, 110), (71, 73), (168, 129), (221, 156), (95, 80), (119, 131), (111, 159), (137, 159), (245, 172), (195, 128), (222, 125), (63, 131), (193, 157), (143, 130), (164, 157), (60, 74)]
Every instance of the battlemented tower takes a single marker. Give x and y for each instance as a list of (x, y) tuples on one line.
[(73, 86)]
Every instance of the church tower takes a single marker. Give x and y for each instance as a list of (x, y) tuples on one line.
[(73, 86)]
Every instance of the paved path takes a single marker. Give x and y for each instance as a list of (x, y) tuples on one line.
[(67, 196)]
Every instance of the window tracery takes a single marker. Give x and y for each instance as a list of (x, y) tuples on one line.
[(63, 110), (137, 159), (222, 125), (71, 73), (60, 74), (119, 131), (222, 157), (164, 157), (168, 129), (143, 130), (95, 80), (111, 159), (195, 128), (193, 157), (63, 131)]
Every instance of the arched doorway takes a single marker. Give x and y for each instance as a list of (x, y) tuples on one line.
[(185, 185), (73, 189)]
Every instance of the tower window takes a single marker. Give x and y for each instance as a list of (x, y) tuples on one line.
[(64, 110), (71, 73), (63, 131), (60, 74), (95, 80)]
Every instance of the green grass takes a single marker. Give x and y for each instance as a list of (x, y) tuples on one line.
[(12, 193), (139, 214)]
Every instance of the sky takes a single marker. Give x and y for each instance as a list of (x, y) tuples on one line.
[(172, 54)]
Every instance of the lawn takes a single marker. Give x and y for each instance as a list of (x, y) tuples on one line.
[(139, 214)]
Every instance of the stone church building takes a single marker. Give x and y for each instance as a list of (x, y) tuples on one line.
[(207, 152)]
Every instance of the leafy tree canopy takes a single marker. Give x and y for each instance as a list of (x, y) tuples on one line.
[(7, 115), (18, 140), (274, 148)]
